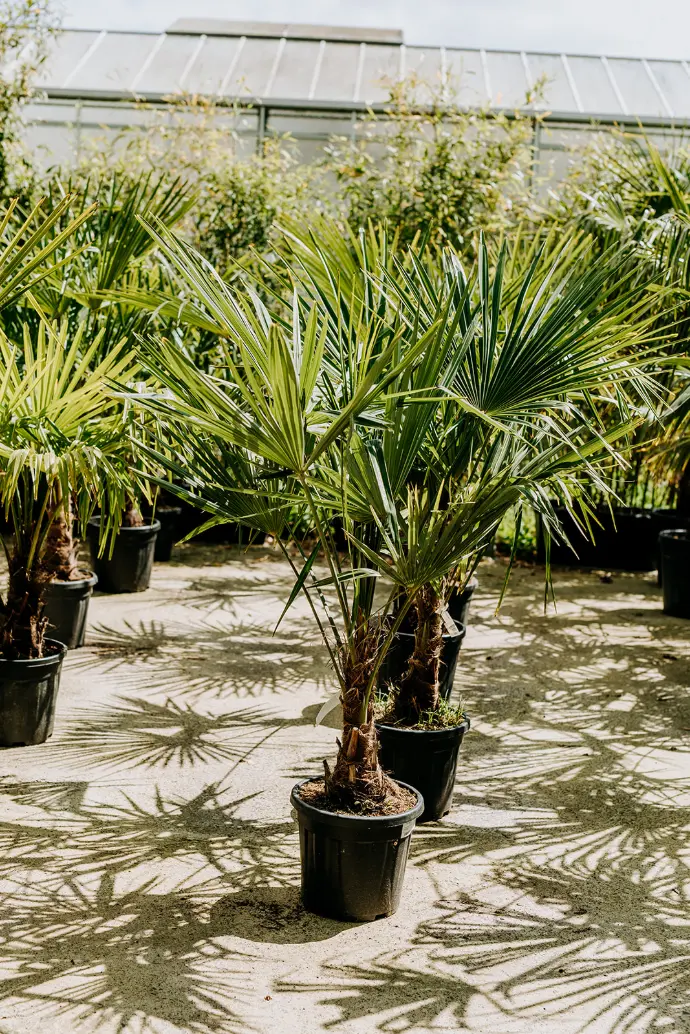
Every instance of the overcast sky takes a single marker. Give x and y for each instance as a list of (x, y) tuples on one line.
[(628, 27)]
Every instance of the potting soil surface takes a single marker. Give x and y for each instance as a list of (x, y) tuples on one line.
[(149, 870)]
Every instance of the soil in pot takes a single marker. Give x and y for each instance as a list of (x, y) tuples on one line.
[(426, 759), (397, 659), (674, 546), (353, 866), (129, 567), (28, 693), (66, 607)]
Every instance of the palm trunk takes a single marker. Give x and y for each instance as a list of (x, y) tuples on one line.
[(60, 555), (683, 493), (419, 689), (23, 623), (357, 779), (132, 518)]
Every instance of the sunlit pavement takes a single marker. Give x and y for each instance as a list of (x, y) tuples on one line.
[(149, 863)]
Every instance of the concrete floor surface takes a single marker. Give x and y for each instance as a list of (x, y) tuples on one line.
[(149, 866)]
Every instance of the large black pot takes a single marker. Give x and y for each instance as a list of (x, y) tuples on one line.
[(226, 534), (674, 546), (353, 866), (169, 534), (624, 541), (459, 603), (66, 607), (426, 759), (28, 691), (397, 659), (667, 520), (129, 568)]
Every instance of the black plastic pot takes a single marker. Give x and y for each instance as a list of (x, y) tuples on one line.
[(459, 603), (397, 659), (222, 534), (28, 691), (66, 607), (625, 541), (129, 568), (426, 759), (667, 520), (169, 534), (674, 546), (353, 866)]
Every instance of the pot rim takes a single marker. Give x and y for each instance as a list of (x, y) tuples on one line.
[(465, 725), (669, 533), (412, 814), (29, 661), (75, 584), (155, 525), (470, 587)]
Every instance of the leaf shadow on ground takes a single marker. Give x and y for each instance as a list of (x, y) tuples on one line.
[(131, 732), (197, 660), (129, 916), (569, 828)]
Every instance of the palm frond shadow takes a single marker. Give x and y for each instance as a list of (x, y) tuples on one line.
[(594, 952), (231, 594), (87, 954), (573, 805), (205, 660), (204, 831), (132, 732)]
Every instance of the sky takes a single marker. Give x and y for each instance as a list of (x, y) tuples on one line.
[(640, 28)]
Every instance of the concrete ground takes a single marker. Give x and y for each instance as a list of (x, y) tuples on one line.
[(149, 864)]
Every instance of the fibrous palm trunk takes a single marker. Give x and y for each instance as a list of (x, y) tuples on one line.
[(418, 692), (60, 555), (131, 517), (357, 780), (23, 623)]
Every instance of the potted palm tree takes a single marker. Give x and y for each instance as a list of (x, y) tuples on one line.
[(58, 449), (259, 443), (285, 429), (537, 336)]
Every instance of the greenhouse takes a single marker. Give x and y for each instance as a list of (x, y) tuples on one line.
[(345, 509), (313, 82)]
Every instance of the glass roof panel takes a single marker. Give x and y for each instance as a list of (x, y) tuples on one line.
[(594, 86), (636, 87), (338, 73), (466, 78), (556, 94), (212, 64), (63, 58), (163, 74), (425, 64), (381, 67), (508, 79), (674, 82), (252, 73), (296, 69), (114, 64)]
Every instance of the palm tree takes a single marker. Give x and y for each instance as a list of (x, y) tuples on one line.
[(345, 410), (540, 344), (62, 444)]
